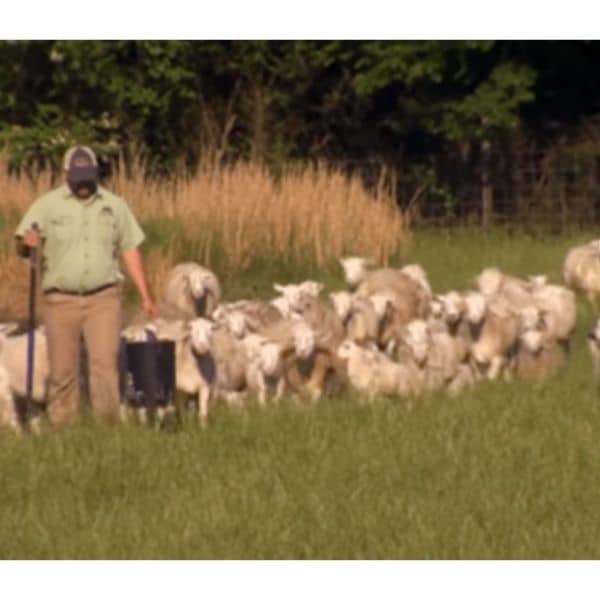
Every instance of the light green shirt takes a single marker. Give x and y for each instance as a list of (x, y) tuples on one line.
[(82, 239)]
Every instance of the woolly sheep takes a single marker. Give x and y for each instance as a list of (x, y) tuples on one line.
[(192, 289), (581, 270), (374, 373)]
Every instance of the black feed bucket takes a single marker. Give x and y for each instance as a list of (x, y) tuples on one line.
[(148, 372)]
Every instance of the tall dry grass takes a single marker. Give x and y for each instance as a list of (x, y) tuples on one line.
[(313, 214)]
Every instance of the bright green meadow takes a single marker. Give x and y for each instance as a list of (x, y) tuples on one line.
[(508, 470)]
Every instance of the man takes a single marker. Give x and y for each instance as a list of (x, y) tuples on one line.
[(83, 229)]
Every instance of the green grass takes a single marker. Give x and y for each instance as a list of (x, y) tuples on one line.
[(506, 471)]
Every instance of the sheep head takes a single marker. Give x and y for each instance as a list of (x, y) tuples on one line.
[(201, 333), (416, 337), (342, 303), (304, 339), (475, 308), (355, 269)]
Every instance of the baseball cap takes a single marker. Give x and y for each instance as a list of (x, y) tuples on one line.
[(81, 166)]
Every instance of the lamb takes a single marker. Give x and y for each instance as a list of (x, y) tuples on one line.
[(355, 269), (374, 373), (559, 310), (221, 361), (13, 372), (417, 273), (539, 354), (358, 315), (310, 365), (264, 371), (593, 340), (436, 355), (497, 339), (581, 270), (192, 289), (13, 353), (247, 316), (293, 293)]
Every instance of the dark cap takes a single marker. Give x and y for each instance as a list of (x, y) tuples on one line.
[(82, 168)]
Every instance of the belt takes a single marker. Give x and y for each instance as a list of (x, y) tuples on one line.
[(85, 293)]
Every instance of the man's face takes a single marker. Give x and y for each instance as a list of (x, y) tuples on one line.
[(84, 191)]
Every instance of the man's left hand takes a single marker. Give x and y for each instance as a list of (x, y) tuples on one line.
[(149, 308)]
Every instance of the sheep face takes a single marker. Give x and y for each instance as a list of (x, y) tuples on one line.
[(201, 331), (197, 284), (236, 323), (304, 340), (283, 306), (532, 340), (291, 292), (436, 308), (381, 305), (310, 288), (355, 268), (270, 358), (454, 307), (475, 306), (489, 281), (416, 337), (342, 303)]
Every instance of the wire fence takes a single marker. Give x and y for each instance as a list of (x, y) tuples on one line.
[(552, 189)]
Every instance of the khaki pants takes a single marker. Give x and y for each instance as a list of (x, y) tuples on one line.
[(98, 317)]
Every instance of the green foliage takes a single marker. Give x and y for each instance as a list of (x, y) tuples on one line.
[(275, 101)]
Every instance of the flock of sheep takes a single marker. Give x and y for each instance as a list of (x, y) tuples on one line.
[(385, 334)]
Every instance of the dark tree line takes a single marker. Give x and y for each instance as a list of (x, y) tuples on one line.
[(280, 101)]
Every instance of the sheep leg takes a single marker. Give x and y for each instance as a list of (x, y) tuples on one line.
[(496, 365), (203, 398), (279, 390)]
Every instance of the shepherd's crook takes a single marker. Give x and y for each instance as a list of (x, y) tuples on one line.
[(31, 327)]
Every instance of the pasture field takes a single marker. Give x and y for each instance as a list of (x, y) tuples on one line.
[(508, 470)]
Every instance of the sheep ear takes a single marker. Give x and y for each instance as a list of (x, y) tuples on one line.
[(278, 288)]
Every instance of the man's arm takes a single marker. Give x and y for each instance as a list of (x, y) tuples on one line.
[(135, 267)]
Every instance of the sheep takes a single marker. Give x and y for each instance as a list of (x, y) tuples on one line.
[(192, 289), (8, 412), (417, 273), (323, 319), (581, 270), (292, 294), (539, 355), (593, 340), (374, 373), (264, 370), (221, 361), (309, 364), (436, 355), (497, 339), (360, 318), (355, 268), (13, 354), (559, 310), (247, 316)]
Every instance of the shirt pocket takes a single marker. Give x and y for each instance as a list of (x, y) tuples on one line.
[(60, 228), (107, 228)]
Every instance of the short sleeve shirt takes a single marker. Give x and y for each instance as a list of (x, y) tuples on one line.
[(82, 239)]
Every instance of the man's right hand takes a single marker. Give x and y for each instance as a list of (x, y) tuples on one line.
[(31, 238)]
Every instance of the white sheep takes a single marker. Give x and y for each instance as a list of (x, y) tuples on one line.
[(539, 354), (559, 310), (374, 373), (355, 268), (581, 270), (593, 340), (360, 317), (497, 340), (221, 361), (264, 369), (192, 289)]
